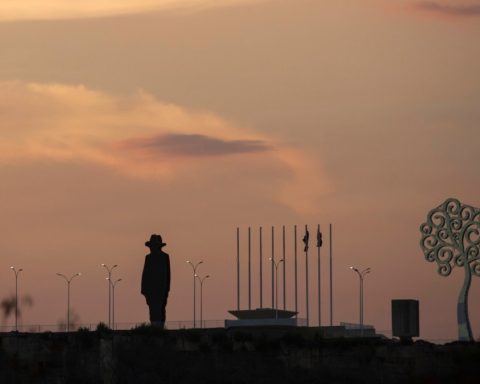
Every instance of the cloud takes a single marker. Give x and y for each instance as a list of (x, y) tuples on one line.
[(11, 10), (136, 133), (450, 9), (195, 145), (139, 136)]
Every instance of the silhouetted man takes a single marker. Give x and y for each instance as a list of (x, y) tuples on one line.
[(156, 280)]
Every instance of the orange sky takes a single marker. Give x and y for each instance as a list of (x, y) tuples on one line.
[(190, 118)]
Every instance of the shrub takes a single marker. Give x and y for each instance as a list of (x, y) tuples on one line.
[(102, 328)]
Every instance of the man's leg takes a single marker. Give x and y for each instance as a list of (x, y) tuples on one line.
[(164, 306), (156, 315)]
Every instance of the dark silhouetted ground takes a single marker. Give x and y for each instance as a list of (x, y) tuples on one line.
[(147, 355)]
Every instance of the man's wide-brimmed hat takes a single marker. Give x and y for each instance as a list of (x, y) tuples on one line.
[(155, 240)]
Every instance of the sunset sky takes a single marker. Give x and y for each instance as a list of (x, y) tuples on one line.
[(189, 118)]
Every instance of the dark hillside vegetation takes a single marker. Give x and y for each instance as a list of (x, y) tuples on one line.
[(148, 355)]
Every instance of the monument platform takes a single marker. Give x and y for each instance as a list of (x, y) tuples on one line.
[(262, 317)]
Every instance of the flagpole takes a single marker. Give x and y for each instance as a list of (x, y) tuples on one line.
[(261, 282), (273, 259), (331, 280), (305, 240), (284, 262), (238, 268), (319, 244), (249, 270), (295, 256)]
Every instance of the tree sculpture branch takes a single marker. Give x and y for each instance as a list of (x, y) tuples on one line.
[(451, 238)]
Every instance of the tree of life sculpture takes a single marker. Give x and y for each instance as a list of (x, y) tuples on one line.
[(451, 238)]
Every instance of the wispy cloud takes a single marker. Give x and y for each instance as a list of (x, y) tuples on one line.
[(131, 133), (457, 9), (11, 10), (197, 145), (141, 137)]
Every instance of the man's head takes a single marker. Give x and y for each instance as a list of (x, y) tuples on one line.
[(155, 242)]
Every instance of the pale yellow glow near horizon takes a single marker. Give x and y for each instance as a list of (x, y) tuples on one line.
[(13, 10)]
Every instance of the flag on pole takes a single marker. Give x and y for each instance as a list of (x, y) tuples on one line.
[(319, 237), (305, 239)]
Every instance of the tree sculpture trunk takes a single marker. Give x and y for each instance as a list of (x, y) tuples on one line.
[(451, 238), (464, 329)]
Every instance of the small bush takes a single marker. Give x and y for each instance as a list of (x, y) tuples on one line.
[(148, 329), (141, 328), (102, 328)]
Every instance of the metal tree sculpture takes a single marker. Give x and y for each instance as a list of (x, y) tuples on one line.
[(451, 237)]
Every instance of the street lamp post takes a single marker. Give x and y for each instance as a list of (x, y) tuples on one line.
[(113, 284), (194, 267), (16, 295), (68, 281), (361, 276), (201, 279), (276, 264), (109, 270)]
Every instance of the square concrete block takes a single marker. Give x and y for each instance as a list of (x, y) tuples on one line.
[(405, 318)]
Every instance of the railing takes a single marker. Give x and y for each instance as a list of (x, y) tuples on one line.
[(38, 328), (301, 322), (174, 324), (356, 326), (385, 332)]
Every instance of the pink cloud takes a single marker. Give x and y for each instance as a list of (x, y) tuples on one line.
[(139, 136), (456, 9)]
